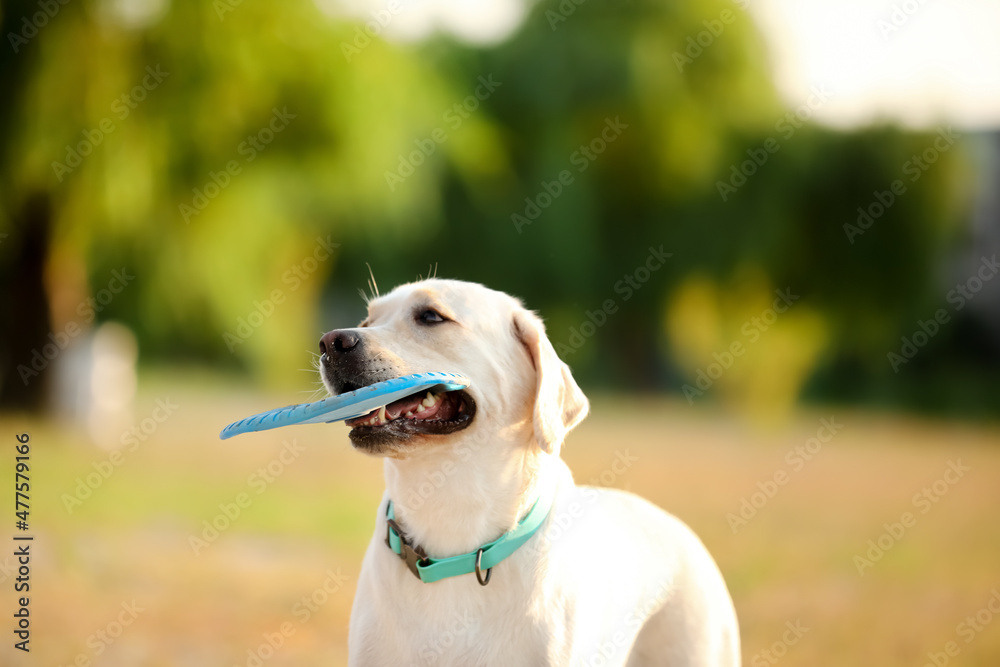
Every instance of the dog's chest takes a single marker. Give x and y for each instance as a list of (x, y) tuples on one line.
[(457, 623)]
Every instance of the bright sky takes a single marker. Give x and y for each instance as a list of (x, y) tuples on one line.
[(921, 62), (475, 21), (918, 62)]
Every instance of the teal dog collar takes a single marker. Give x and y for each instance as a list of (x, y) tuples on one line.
[(484, 559)]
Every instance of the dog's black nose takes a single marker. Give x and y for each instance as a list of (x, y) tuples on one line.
[(338, 341)]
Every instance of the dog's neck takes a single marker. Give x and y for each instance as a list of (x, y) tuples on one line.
[(452, 501)]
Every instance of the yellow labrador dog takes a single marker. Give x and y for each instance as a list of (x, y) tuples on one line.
[(603, 577)]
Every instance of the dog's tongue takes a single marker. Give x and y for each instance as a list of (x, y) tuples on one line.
[(404, 405), (419, 406)]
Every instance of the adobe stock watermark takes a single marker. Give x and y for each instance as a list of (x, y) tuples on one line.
[(459, 625), (563, 11), (752, 331), (958, 297), (913, 169), (121, 107), (796, 459), (696, 45), (923, 501), (99, 641), (363, 36), (249, 148), (581, 159), (8, 569), (741, 172), (454, 118), (31, 26), (618, 646), (292, 278), (773, 654), (433, 480), (129, 441), (901, 14), (60, 340), (967, 631), (302, 611), (562, 520), (258, 482), (223, 7), (627, 286)]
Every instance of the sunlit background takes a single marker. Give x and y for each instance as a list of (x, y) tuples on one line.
[(743, 221)]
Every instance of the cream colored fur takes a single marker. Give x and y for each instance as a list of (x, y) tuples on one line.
[(609, 580)]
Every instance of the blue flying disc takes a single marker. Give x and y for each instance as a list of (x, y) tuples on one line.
[(349, 404)]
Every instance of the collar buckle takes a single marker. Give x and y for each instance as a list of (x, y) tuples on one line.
[(409, 554)]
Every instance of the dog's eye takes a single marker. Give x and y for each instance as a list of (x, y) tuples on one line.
[(429, 316)]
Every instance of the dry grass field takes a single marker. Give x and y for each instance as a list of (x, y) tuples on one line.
[(290, 559)]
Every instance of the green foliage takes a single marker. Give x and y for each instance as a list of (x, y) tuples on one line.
[(340, 168)]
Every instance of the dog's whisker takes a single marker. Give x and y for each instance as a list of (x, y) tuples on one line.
[(373, 285)]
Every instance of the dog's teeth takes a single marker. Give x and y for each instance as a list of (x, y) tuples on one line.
[(429, 401), (410, 413), (381, 415)]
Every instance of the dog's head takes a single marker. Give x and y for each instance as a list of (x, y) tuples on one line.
[(517, 380)]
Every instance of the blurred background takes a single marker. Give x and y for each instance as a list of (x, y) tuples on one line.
[(763, 234)]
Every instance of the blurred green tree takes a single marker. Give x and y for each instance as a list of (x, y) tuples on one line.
[(245, 161)]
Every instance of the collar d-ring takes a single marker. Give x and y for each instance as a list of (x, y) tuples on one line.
[(479, 571)]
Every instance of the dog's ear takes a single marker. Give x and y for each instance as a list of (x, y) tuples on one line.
[(559, 402)]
